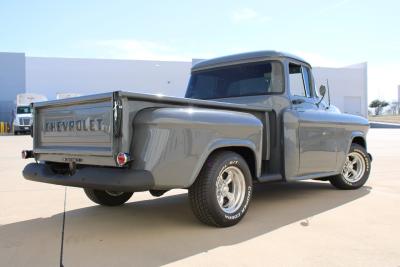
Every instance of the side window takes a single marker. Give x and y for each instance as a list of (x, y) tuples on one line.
[(299, 80), (308, 81)]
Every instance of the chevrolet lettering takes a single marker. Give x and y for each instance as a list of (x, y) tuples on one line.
[(90, 124)]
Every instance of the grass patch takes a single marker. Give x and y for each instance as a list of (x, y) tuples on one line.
[(385, 118)]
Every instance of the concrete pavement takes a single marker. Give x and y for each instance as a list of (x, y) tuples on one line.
[(298, 224)]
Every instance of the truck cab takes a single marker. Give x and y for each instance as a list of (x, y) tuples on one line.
[(22, 121), (308, 139)]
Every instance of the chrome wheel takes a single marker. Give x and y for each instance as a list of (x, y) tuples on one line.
[(231, 189), (354, 167)]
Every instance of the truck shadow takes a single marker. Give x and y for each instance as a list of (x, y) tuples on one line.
[(161, 231)]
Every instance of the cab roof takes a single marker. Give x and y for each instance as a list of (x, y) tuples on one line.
[(242, 58)]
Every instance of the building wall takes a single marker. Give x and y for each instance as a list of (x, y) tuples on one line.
[(50, 76), (12, 82), (347, 87)]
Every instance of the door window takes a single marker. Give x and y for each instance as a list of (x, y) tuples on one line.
[(307, 80), (299, 79)]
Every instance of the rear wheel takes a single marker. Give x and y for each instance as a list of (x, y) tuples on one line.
[(355, 171), (106, 197), (221, 194)]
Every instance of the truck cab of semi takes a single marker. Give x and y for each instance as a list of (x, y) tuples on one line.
[(22, 121)]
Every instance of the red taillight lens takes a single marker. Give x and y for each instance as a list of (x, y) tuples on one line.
[(122, 158)]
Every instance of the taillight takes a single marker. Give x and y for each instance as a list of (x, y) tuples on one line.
[(122, 158)]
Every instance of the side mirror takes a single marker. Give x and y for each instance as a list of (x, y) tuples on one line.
[(322, 91)]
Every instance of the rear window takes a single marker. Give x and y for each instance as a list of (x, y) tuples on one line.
[(234, 81)]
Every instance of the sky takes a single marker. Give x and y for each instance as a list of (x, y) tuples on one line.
[(325, 33)]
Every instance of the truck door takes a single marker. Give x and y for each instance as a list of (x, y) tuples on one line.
[(317, 138)]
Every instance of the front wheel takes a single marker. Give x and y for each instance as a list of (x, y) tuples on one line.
[(221, 194), (355, 171), (107, 198)]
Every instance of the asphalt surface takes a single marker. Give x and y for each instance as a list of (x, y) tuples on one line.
[(297, 224), (384, 125)]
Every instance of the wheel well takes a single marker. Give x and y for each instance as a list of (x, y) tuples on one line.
[(359, 141), (246, 153)]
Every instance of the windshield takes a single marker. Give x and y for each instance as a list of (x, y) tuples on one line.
[(234, 81), (23, 110)]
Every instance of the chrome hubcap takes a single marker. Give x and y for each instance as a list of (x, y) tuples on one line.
[(231, 189), (354, 167)]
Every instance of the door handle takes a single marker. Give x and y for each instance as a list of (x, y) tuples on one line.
[(297, 101)]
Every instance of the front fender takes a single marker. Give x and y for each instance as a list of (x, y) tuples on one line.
[(355, 134), (349, 136)]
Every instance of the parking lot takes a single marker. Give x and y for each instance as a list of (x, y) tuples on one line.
[(297, 224)]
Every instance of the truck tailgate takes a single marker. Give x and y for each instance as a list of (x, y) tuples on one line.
[(78, 129)]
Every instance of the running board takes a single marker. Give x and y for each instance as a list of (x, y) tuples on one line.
[(270, 177)]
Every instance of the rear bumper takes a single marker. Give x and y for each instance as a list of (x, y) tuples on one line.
[(100, 178)]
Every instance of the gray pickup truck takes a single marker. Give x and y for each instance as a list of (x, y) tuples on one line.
[(247, 118)]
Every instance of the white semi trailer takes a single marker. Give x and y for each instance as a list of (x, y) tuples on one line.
[(23, 114), (66, 95)]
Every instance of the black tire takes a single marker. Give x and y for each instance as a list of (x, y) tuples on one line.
[(203, 193), (107, 198), (340, 182)]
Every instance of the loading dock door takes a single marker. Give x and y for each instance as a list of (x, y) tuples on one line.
[(352, 105)]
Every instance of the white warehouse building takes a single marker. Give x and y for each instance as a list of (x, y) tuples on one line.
[(52, 76)]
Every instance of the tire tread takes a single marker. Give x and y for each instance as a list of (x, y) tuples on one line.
[(102, 198)]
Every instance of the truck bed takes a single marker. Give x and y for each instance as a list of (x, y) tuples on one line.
[(93, 129)]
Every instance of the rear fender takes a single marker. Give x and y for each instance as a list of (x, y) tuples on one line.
[(173, 143), (227, 144)]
